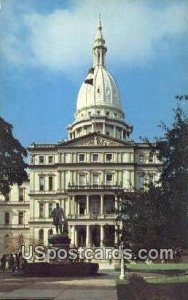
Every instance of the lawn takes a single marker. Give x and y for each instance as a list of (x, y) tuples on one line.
[(157, 285), (157, 266)]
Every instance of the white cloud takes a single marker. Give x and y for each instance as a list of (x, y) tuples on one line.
[(61, 40)]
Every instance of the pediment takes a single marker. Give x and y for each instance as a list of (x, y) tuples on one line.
[(94, 140)]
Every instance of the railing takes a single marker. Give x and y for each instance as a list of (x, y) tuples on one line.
[(45, 192), (41, 219), (94, 187), (11, 202), (91, 216), (13, 226)]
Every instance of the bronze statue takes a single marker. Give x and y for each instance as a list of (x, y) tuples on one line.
[(59, 219)]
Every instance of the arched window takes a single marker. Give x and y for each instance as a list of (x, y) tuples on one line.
[(41, 236)]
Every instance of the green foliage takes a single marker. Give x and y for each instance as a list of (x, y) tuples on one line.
[(173, 151), (157, 217), (12, 153)]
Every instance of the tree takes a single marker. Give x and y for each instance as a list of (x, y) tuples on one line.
[(173, 151), (157, 217), (12, 153)]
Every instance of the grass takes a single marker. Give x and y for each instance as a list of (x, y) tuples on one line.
[(155, 287), (157, 266), (167, 279)]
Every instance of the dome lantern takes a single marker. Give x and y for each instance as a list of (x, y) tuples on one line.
[(99, 49)]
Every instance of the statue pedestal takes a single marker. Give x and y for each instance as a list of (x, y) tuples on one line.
[(58, 266), (61, 244), (59, 240)]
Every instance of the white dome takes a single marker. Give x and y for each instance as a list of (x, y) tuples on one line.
[(98, 89), (98, 103)]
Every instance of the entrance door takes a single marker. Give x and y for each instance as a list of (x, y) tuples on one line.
[(82, 237), (95, 238)]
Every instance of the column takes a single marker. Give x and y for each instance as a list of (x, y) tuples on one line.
[(76, 236), (114, 131), (73, 235), (102, 205), (69, 206), (116, 202), (87, 204), (62, 180), (116, 234), (45, 237), (122, 134), (88, 242), (46, 206), (75, 207), (59, 181), (103, 128), (101, 235)]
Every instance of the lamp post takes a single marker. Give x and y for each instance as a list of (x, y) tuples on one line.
[(122, 273), (120, 234)]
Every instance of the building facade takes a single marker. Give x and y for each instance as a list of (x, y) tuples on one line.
[(84, 172), (14, 217)]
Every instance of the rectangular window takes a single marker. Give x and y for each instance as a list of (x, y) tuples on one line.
[(41, 210), (7, 218), (82, 208), (82, 179), (151, 157), (95, 179), (141, 158), (81, 157), (108, 179), (141, 181), (50, 159), (21, 194), (50, 183), (95, 157), (110, 207), (41, 159), (32, 159), (41, 183), (20, 217), (109, 157), (50, 208)]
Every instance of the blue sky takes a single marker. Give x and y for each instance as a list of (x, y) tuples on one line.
[(46, 53)]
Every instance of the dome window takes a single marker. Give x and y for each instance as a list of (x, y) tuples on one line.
[(89, 81), (107, 113)]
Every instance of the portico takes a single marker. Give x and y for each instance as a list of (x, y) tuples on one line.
[(93, 234)]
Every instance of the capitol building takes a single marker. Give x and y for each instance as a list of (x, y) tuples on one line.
[(84, 172)]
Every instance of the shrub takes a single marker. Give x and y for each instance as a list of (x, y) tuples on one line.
[(134, 278)]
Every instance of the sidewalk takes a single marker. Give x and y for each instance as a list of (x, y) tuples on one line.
[(13, 287)]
